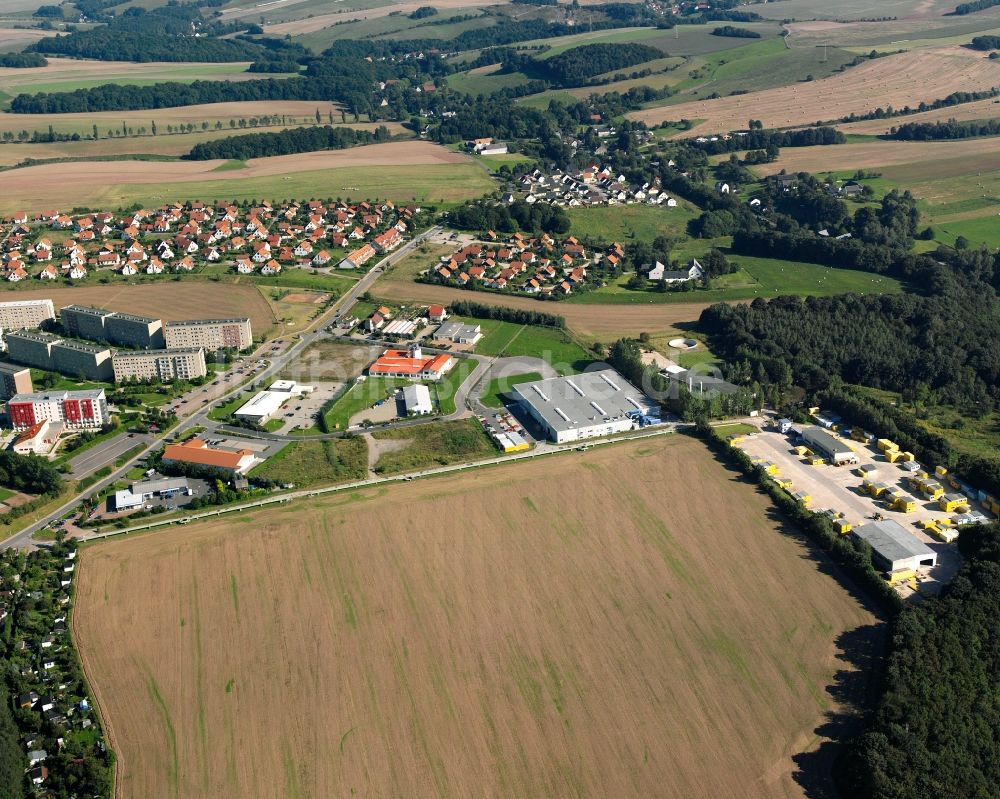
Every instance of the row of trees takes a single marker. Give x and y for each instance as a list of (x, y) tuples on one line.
[(985, 43), (285, 142), (977, 5), (737, 33), (518, 316)]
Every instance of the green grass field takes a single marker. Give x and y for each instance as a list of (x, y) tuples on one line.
[(620, 223), (308, 463), (443, 392), (506, 339), (434, 444), (6, 493), (493, 394), (485, 83), (757, 277), (439, 184), (360, 396)]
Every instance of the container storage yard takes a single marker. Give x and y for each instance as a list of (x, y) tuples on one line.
[(875, 481)]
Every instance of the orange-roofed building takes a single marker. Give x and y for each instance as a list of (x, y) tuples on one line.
[(197, 453), (411, 364)]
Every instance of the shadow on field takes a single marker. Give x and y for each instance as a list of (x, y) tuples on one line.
[(855, 686), (853, 690)]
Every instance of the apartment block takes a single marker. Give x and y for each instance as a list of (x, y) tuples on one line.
[(77, 410), (14, 379), (209, 334), (84, 321), (25, 313), (129, 330), (33, 349), (163, 365), (126, 330), (74, 358)]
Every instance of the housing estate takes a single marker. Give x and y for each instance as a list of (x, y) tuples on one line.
[(25, 313)]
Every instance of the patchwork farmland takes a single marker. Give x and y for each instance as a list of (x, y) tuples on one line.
[(334, 648)]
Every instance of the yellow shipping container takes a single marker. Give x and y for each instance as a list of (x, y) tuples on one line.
[(951, 505), (893, 455), (860, 435), (885, 445), (816, 461), (902, 576), (907, 456), (904, 505), (953, 482), (842, 527), (940, 471)]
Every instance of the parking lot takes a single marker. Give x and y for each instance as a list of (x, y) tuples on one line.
[(303, 411), (839, 488)]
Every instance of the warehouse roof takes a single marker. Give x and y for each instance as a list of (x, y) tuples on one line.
[(822, 439), (568, 403), (891, 540)]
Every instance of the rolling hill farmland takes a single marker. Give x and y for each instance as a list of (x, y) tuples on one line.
[(530, 649)]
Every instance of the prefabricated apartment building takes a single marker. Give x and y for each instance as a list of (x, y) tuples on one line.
[(586, 405)]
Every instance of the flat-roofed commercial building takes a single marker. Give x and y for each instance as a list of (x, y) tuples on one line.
[(84, 321), (833, 448), (586, 405), (185, 363), (25, 313), (14, 379), (210, 334), (894, 548)]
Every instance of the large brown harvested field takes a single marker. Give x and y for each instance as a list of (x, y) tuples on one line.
[(81, 183), (655, 636), (944, 158), (601, 322), (319, 21), (898, 80), (187, 299)]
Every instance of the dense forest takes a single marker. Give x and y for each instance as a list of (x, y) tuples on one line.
[(12, 759), (737, 33), (22, 60), (952, 129), (985, 43), (578, 65), (971, 8), (519, 215), (28, 473), (934, 733), (285, 142), (175, 32)]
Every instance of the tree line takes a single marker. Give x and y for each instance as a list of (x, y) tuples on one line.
[(285, 142), (952, 129), (518, 316)]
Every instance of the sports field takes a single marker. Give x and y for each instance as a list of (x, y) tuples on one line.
[(186, 299), (520, 646), (398, 170), (897, 80)]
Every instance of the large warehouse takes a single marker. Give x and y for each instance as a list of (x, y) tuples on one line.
[(893, 548), (833, 448), (586, 405)]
